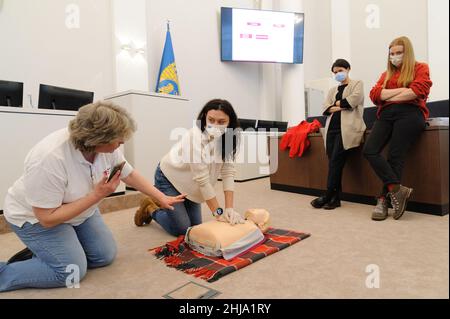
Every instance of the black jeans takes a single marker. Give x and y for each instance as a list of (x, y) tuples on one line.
[(337, 157), (400, 125)]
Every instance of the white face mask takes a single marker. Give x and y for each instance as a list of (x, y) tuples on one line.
[(215, 131), (397, 60)]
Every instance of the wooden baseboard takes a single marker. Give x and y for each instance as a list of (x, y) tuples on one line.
[(4, 227)]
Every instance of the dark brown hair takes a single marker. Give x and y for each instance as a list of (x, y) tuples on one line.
[(227, 108)]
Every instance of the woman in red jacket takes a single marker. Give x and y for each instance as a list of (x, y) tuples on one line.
[(400, 94)]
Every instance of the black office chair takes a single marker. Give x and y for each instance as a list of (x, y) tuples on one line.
[(264, 125), (438, 108), (247, 124), (322, 119), (281, 126)]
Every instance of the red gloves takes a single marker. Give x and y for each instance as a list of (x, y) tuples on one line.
[(296, 138)]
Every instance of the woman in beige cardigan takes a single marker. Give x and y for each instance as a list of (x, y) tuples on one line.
[(344, 129), (192, 168)]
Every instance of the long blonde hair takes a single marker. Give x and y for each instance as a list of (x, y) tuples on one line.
[(407, 71)]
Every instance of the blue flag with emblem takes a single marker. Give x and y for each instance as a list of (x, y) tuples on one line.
[(167, 77)]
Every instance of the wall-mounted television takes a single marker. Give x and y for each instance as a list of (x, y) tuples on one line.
[(250, 35)]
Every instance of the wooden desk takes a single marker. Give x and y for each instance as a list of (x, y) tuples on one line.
[(426, 170)]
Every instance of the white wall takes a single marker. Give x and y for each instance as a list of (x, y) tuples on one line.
[(340, 17), (438, 28), (195, 31), (369, 45), (317, 57), (317, 48), (38, 47), (130, 29), (292, 79)]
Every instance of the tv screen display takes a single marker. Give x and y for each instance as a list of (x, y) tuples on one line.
[(262, 36)]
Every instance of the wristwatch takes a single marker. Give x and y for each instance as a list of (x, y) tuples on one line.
[(218, 212)]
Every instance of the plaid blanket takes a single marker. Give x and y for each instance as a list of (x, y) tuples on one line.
[(177, 254)]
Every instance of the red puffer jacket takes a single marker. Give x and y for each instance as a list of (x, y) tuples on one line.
[(296, 138)]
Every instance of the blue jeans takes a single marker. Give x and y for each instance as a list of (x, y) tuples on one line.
[(185, 215), (59, 252)]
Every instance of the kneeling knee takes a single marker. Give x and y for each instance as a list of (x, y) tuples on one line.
[(110, 255), (107, 257), (72, 274)]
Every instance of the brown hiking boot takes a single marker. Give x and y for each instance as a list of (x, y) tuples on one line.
[(380, 212), (144, 213), (399, 200)]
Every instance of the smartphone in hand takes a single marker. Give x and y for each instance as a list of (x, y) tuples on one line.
[(116, 168)]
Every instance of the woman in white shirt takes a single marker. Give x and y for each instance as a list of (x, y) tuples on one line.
[(192, 167), (53, 207)]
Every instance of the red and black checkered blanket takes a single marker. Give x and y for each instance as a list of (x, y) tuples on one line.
[(177, 254)]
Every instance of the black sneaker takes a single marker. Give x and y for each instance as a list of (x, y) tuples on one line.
[(22, 255), (399, 200)]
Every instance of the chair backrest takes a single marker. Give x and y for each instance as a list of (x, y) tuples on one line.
[(247, 123), (281, 126), (264, 125), (322, 119), (438, 108)]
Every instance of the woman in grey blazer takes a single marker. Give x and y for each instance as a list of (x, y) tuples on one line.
[(343, 131)]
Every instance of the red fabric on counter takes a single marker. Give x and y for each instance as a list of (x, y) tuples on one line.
[(296, 138)]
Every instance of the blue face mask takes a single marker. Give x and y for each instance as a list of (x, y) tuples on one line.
[(341, 76)]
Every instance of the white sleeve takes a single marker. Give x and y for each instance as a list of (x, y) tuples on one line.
[(228, 173), (200, 169), (45, 187)]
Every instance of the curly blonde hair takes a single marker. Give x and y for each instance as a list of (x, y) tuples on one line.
[(100, 123)]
